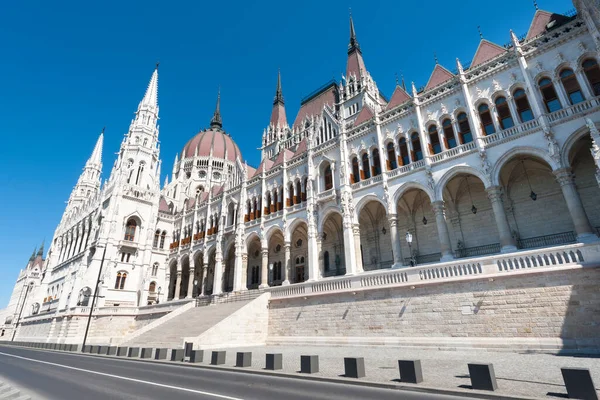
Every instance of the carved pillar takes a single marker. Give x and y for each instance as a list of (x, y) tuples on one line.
[(264, 270), (444, 236), (191, 279), (507, 242), (204, 280), (595, 150), (218, 275), (238, 268), (357, 252), (177, 286), (583, 229), (287, 263), (395, 241)]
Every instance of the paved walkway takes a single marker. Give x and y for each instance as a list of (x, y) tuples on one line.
[(518, 374)]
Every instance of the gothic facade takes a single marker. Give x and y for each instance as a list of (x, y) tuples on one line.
[(496, 156)]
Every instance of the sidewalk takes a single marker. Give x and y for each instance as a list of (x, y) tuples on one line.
[(526, 375)]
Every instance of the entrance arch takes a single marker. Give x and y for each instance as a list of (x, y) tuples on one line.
[(298, 252), (210, 271), (229, 262), (276, 248), (375, 242), (172, 279), (332, 243), (584, 170), (198, 274), (185, 277), (415, 215), (254, 262)]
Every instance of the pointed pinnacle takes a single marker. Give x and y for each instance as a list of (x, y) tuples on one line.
[(278, 91), (151, 95), (353, 41), (216, 121), (96, 157)]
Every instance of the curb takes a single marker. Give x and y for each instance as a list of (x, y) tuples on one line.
[(345, 381)]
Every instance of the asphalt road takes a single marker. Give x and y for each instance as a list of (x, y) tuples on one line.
[(64, 376)]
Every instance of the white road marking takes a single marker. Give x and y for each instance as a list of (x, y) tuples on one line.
[(220, 396)]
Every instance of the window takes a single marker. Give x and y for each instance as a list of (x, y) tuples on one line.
[(156, 237), (130, 230), (298, 193), (269, 207), (376, 163), (120, 281), (328, 178), (549, 95), (592, 73), (504, 116), (254, 275), (366, 172), (464, 129), (417, 152), (355, 170), (391, 153), (404, 159), (435, 146), (523, 108), (569, 81), (290, 200), (162, 239), (155, 269), (326, 261), (277, 271), (487, 125), (152, 287), (449, 138)]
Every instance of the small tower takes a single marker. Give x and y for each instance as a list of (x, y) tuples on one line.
[(278, 129)]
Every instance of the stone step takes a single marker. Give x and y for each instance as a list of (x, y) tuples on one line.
[(11, 394)]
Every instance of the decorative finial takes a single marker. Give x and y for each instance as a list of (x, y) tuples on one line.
[(216, 121), (157, 64), (535, 5), (353, 41), (479, 30), (278, 92), (397, 82), (435, 57), (403, 83), (103, 129)]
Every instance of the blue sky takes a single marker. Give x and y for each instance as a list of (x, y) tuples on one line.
[(71, 67)]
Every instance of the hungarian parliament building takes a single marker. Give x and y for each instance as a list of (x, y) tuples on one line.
[(496, 156)]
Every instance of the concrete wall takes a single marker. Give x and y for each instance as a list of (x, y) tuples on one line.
[(544, 310)]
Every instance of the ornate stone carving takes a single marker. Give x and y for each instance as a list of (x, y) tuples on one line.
[(485, 164), (430, 180), (443, 108), (496, 85), (553, 147)]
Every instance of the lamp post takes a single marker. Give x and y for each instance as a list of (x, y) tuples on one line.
[(195, 292), (158, 295), (409, 239), (87, 328)]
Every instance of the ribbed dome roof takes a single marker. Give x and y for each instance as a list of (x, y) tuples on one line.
[(213, 139)]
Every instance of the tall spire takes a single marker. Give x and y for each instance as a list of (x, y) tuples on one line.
[(32, 255), (40, 252), (353, 45), (216, 121), (355, 66), (278, 117), (96, 157), (151, 96)]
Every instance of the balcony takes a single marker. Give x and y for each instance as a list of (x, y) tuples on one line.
[(326, 195), (456, 151)]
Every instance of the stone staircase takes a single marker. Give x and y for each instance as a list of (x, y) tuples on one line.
[(192, 322), (7, 392)]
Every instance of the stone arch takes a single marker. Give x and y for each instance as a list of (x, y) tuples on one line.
[(228, 266), (296, 222), (250, 236), (185, 276), (573, 139), (210, 269), (172, 279), (454, 171), (375, 242), (499, 93), (520, 151), (276, 256), (332, 241), (271, 231), (325, 214), (253, 250), (406, 186), (366, 200)]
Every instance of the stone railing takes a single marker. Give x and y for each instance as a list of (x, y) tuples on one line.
[(527, 261), (326, 195), (367, 182), (456, 151), (406, 168), (574, 110), (514, 131)]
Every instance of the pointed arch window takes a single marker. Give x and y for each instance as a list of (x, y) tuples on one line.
[(298, 198), (504, 116), (549, 95), (403, 159), (328, 177), (435, 146), (290, 200), (305, 186), (355, 170), (162, 239), (130, 230), (152, 287), (523, 107), (326, 261), (269, 206), (571, 85), (366, 166), (155, 269), (376, 163), (120, 281), (464, 129), (156, 238), (417, 151), (449, 138), (391, 153), (592, 73), (487, 124)]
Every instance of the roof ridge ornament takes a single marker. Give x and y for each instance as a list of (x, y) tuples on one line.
[(216, 121)]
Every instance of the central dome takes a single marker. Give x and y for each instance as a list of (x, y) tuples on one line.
[(213, 140)]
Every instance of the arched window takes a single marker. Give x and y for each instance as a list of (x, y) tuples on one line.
[(523, 107), (328, 177), (326, 261), (549, 95), (404, 158), (449, 138), (155, 269), (162, 239), (269, 207), (255, 209), (152, 287), (290, 200), (487, 124), (305, 185), (298, 192), (156, 237), (120, 281), (464, 129), (592, 73), (366, 166), (435, 146), (504, 116), (391, 153), (355, 170), (417, 151), (569, 81), (376, 163), (130, 230)]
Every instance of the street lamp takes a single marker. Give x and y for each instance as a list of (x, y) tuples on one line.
[(195, 288), (98, 281), (158, 295), (409, 239)]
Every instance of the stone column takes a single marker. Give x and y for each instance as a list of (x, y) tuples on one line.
[(357, 252), (507, 242), (190, 291), (444, 236), (238, 267), (583, 83), (204, 276), (264, 271), (396, 249), (583, 229), (177, 286), (218, 275), (287, 264)]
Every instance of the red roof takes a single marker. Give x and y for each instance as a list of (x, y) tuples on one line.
[(399, 97), (355, 65), (216, 190), (364, 115), (301, 149), (278, 115), (251, 172), (486, 51), (438, 76), (315, 105), (214, 139), (540, 20), (264, 166), (162, 205), (279, 160)]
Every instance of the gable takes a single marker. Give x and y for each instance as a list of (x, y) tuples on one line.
[(485, 52), (399, 97), (438, 76)]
